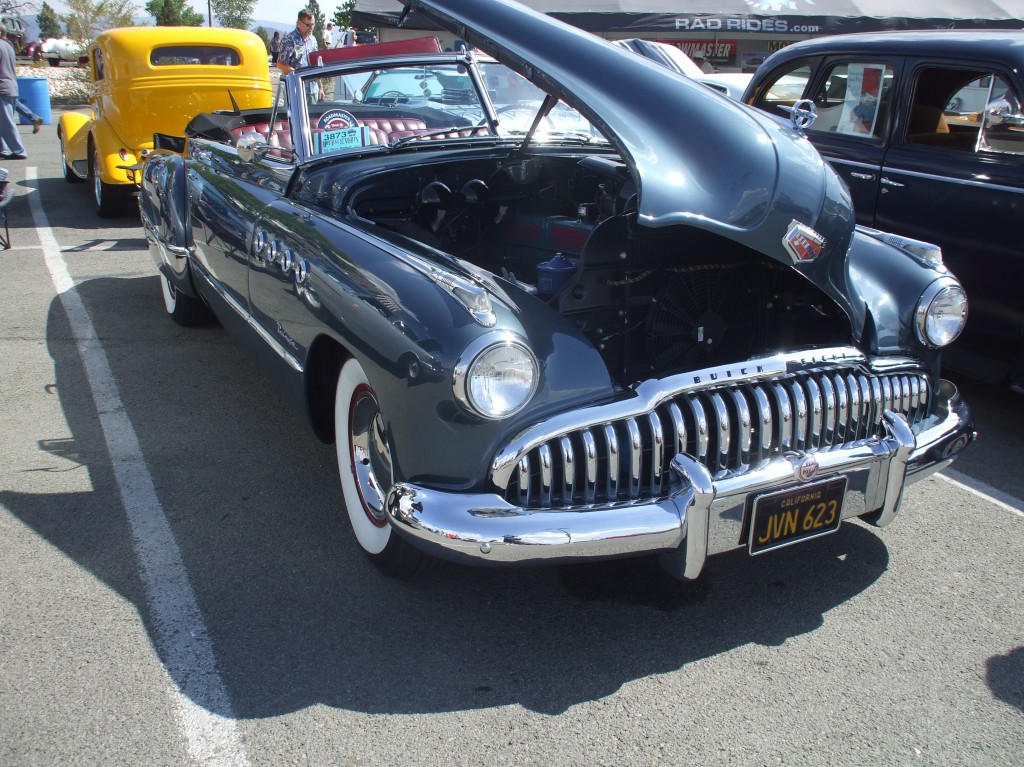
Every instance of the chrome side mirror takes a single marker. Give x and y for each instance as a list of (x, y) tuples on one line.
[(1002, 112), (250, 146)]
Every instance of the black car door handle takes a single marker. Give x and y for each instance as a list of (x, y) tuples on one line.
[(890, 182), (864, 176)]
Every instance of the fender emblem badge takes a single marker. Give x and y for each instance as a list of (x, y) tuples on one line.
[(802, 243)]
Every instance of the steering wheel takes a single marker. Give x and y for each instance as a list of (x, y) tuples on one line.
[(394, 95), (547, 121)]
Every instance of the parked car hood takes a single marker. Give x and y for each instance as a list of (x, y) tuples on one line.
[(697, 158)]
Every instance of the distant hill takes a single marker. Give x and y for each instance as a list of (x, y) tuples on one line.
[(32, 28)]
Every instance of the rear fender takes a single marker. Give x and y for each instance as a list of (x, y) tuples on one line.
[(73, 128), (108, 150)]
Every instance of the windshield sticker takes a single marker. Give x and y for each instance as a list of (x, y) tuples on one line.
[(336, 118), (860, 109), (342, 138)]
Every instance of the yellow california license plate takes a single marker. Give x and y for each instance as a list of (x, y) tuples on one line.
[(794, 515)]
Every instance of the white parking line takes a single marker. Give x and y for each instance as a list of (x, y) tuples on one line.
[(199, 697), (991, 494)]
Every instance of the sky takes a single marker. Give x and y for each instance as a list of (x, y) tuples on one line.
[(279, 12)]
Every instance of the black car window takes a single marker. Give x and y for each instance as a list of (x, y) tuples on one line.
[(946, 107), (784, 91), (854, 99), (175, 55)]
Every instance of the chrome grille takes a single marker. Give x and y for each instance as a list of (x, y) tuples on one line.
[(729, 429)]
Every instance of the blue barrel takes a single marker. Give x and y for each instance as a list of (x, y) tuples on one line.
[(35, 93)]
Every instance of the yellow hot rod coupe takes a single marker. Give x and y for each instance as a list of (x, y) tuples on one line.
[(153, 80)]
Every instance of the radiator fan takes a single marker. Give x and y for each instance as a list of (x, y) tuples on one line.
[(706, 315)]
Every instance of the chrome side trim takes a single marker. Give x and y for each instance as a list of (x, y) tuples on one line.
[(854, 163), (242, 312), (960, 181)]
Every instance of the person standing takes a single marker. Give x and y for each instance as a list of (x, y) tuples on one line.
[(329, 35), (297, 44), (275, 48), (11, 147)]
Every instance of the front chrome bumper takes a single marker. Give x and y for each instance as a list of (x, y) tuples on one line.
[(701, 517)]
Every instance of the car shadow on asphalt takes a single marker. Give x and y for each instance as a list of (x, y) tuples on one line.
[(299, 617)]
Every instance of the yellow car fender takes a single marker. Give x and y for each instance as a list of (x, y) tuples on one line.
[(108, 146), (73, 129)]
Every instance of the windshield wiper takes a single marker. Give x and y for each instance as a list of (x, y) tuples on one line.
[(470, 130)]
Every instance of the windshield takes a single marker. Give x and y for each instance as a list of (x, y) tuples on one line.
[(403, 103)]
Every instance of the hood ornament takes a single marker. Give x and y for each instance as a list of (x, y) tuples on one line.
[(802, 114)]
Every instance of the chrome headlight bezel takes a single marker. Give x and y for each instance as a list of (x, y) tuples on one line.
[(483, 351), (942, 295)]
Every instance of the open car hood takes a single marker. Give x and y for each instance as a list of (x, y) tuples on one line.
[(697, 157)]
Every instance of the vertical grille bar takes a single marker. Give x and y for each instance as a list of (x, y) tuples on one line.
[(657, 452), (842, 410), (785, 408), (905, 394), (723, 431), (700, 420), (590, 466), (815, 409), (828, 393), (611, 441), (568, 470), (744, 427), (765, 425), (854, 432), (867, 406), (876, 404), (546, 482), (523, 478), (800, 420), (678, 428), (635, 457), (886, 393)]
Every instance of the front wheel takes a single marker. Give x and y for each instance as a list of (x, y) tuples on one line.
[(111, 199), (365, 471), (185, 310)]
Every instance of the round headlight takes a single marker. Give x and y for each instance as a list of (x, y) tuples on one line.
[(496, 376), (941, 313)]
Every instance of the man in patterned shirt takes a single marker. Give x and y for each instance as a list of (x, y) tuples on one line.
[(297, 44)]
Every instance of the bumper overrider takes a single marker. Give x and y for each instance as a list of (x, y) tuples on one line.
[(700, 513)]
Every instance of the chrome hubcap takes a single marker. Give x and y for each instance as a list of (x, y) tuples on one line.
[(371, 458), (97, 182)]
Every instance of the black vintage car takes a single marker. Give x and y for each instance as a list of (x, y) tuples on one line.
[(927, 130), (545, 317)]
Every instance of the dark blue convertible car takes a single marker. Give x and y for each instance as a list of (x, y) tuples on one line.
[(549, 319)]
